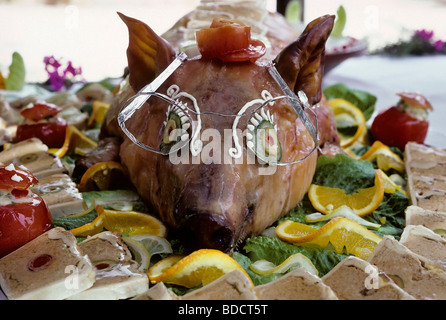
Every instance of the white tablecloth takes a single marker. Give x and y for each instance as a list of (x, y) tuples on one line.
[(385, 76)]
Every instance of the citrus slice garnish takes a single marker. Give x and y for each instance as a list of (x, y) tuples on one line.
[(362, 202), (347, 113), (139, 252), (342, 211), (297, 260), (75, 142), (132, 222), (390, 186), (351, 154), (200, 267), (340, 232), (98, 113), (385, 158), (106, 175), (153, 244), (92, 228), (161, 266)]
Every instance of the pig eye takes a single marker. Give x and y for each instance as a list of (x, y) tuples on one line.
[(175, 128), (262, 137)]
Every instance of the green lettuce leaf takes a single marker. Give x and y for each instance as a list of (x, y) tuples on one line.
[(391, 211), (362, 99), (16, 78), (244, 261), (344, 172), (276, 251), (69, 223), (349, 174)]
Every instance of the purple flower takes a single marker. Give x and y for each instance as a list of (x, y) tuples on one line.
[(56, 77), (57, 81), (425, 34), (438, 45), (70, 69), (51, 61)]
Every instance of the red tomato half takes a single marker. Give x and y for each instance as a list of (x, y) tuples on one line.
[(51, 133), (229, 41), (395, 127), (40, 110), (22, 222), (17, 178)]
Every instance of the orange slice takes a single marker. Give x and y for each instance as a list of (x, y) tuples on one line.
[(340, 232), (385, 158), (132, 222), (363, 202), (346, 112), (200, 267), (98, 113), (161, 266), (75, 142), (106, 175), (92, 228)]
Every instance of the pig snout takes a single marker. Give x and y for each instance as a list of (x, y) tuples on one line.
[(206, 230), (212, 208)]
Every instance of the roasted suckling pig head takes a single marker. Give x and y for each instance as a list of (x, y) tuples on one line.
[(224, 143)]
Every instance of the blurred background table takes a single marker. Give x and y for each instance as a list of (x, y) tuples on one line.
[(90, 33)]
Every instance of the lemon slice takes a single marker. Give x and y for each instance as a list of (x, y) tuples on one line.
[(340, 232), (132, 222), (297, 260), (363, 202), (342, 211), (86, 211), (390, 186), (200, 267), (346, 112), (140, 253), (385, 158), (153, 244)]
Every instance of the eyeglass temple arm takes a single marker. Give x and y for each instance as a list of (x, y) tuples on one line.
[(296, 106), (143, 94)]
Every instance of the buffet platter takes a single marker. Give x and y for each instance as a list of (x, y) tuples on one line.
[(218, 168)]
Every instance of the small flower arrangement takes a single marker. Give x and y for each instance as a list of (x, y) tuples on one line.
[(421, 42), (59, 76)]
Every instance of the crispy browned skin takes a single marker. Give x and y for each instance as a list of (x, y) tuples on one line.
[(218, 205)]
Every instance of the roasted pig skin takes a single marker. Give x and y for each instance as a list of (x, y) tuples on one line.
[(217, 205)]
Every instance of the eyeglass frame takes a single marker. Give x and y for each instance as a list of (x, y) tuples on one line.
[(298, 102)]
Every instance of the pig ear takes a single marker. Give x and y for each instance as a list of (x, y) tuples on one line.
[(301, 64), (148, 54)]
